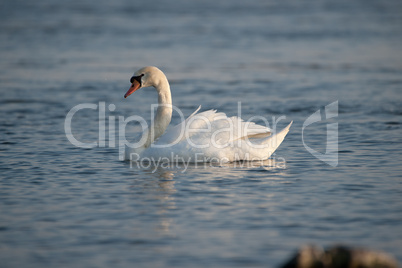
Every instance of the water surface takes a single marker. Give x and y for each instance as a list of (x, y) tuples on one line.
[(66, 206)]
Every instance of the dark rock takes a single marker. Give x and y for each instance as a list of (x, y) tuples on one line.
[(339, 257)]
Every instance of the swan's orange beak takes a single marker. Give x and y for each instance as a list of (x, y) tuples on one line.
[(135, 86)]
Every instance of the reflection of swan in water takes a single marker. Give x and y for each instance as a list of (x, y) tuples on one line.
[(156, 186), (156, 183), (167, 184), (158, 179), (202, 137)]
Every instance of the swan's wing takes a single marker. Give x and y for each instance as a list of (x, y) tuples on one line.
[(188, 151), (225, 129), (255, 136), (211, 126)]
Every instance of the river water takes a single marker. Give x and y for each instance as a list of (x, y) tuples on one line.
[(65, 206)]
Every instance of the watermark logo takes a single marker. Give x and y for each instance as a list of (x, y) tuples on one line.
[(330, 156), (204, 131), (231, 132)]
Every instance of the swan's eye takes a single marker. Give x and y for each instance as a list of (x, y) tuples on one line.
[(138, 78)]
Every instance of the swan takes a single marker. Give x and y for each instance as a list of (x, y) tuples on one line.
[(208, 136)]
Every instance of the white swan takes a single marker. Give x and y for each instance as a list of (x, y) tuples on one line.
[(203, 137)]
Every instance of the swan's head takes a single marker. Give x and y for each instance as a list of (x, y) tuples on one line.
[(145, 77)]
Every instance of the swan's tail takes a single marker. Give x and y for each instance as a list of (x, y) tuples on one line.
[(275, 140)]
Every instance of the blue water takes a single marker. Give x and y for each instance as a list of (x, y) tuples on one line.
[(63, 206)]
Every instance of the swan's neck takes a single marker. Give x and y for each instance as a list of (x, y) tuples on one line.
[(163, 113)]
